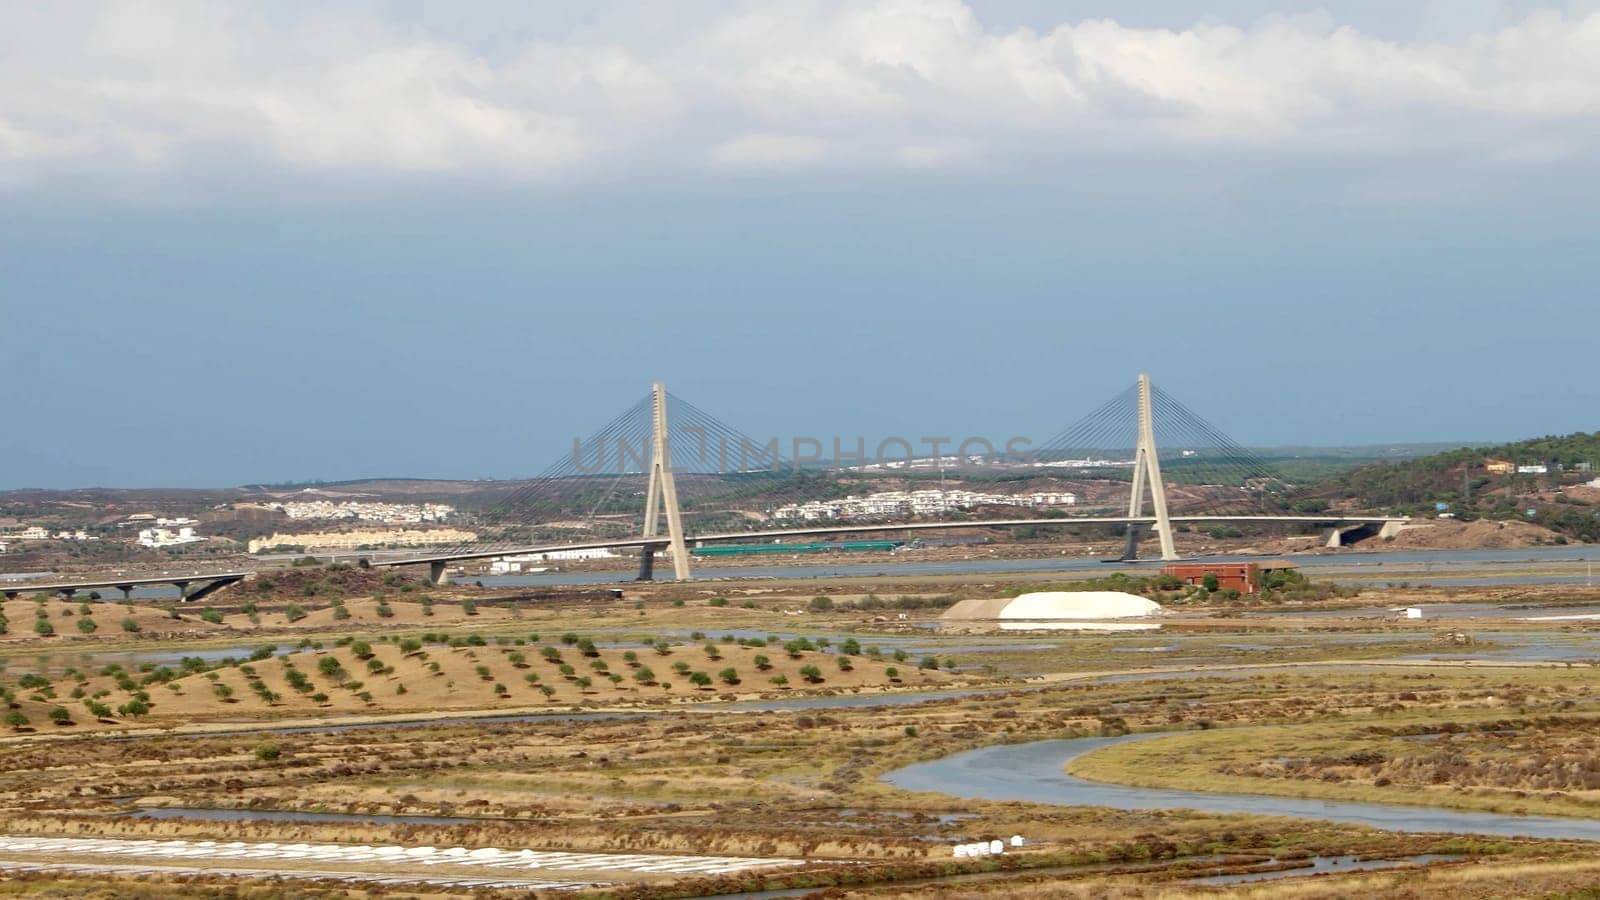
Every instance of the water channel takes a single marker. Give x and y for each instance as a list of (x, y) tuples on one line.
[(1035, 772)]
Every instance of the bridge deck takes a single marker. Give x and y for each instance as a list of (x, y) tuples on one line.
[(823, 530), (28, 587)]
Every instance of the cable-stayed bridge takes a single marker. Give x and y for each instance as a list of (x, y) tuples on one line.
[(665, 476)]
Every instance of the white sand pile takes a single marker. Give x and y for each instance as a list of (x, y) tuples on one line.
[(1081, 610)]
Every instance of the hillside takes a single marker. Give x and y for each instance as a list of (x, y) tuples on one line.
[(1474, 484)]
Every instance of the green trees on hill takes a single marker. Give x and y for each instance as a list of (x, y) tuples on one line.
[(1460, 478)]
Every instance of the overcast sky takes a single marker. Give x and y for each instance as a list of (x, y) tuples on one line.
[(251, 242)]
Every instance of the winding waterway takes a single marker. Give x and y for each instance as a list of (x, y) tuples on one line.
[(1035, 772)]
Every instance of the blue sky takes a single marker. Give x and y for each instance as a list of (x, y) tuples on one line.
[(393, 239)]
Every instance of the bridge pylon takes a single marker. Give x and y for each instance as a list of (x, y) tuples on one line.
[(662, 495), (1147, 473)]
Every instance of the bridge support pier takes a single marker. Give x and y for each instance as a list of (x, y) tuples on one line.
[(662, 494), (67, 593), (438, 573), (183, 589), (127, 591), (647, 564), (1390, 529), (1147, 473)]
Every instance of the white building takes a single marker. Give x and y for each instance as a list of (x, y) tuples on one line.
[(1533, 470), (165, 537), (884, 504)]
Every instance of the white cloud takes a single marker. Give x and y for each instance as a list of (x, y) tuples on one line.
[(769, 150), (147, 87)]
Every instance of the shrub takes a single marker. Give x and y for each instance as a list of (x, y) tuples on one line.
[(17, 719), (567, 669), (699, 679), (531, 678), (583, 682), (663, 648), (329, 666), (340, 611), (811, 674), (718, 601), (729, 675), (33, 680), (483, 672), (222, 691), (630, 657), (762, 662), (587, 647), (911, 731), (410, 645), (97, 709), (476, 640), (821, 603), (713, 652), (893, 673), (569, 639), (793, 648), (134, 708), (43, 627), (851, 647), (845, 663), (643, 675), (60, 716), (779, 680), (680, 667), (361, 649), (501, 690), (901, 655), (294, 612), (928, 662), (214, 616), (319, 697), (384, 610)]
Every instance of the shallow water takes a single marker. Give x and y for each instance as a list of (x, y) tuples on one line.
[(1034, 772), (1325, 864)]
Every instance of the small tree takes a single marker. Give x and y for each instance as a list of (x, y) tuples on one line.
[(700, 679), (644, 675), (60, 716), (821, 603), (268, 752), (1209, 582), (928, 662), (762, 662), (850, 646), (729, 675), (893, 673), (845, 664), (16, 718), (811, 674), (86, 625)]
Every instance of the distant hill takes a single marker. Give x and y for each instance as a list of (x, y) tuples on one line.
[(1472, 481)]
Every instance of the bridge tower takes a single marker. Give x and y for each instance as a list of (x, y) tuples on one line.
[(1147, 472), (662, 495)]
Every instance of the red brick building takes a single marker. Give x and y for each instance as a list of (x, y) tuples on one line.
[(1242, 577)]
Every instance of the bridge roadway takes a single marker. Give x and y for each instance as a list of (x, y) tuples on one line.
[(437, 563), (213, 580)]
